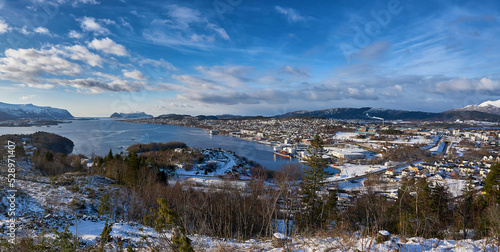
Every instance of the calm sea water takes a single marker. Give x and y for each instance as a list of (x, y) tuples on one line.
[(99, 136)]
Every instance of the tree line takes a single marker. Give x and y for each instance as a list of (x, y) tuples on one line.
[(302, 201)]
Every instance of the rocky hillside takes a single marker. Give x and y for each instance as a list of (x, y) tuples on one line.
[(132, 115)]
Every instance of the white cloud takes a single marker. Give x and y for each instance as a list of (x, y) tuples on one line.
[(90, 85), (317, 92), (107, 21), (49, 68), (218, 82), (78, 2), (118, 82), (184, 15), (193, 83), (4, 27), (108, 46), (74, 34), (134, 12), (269, 96), (39, 86), (294, 71), (231, 75), (202, 38), (157, 63), (393, 91), (126, 24), (42, 30), (103, 83), (24, 30), (292, 15), (89, 24), (220, 31), (373, 51), (135, 74), (23, 65), (184, 27), (74, 3), (78, 52), (362, 94), (270, 80), (464, 85)]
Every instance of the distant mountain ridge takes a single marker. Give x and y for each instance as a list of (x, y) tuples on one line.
[(453, 115), (365, 113), (30, 111), (133, 115), (200, 117), (368, 113)]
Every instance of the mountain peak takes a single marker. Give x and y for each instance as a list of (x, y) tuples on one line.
[(490, 103), (491, 107)]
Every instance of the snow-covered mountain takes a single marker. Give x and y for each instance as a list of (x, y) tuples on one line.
[(491, 107), (492, 103), (30, 111)]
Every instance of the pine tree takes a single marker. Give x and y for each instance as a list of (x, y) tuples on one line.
[(110, 155), (439, 200), (106, 234), (166, 218), (66, 241), (492, 186), (465, 208), (314, 176), (133, 165), (104, 207), (49, 156), (331, 207)]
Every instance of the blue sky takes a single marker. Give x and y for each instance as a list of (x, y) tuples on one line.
[(96, 57)]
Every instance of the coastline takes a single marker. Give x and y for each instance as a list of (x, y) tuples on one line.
[(33, 123)]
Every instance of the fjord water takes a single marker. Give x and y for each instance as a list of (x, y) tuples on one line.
[(101, 135)]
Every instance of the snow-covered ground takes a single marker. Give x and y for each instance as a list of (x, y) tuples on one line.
[(354, 137), (435, 140), (138, 235), (131, 232), (44, 203), (351, 170), (223, 167), (455, 186)]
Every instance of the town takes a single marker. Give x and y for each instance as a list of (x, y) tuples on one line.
[(355, 149), (363, 159)]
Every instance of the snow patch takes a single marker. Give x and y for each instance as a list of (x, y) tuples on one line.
[(492, 103)]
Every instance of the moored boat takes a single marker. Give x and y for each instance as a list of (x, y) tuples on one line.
[(282, 153)]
